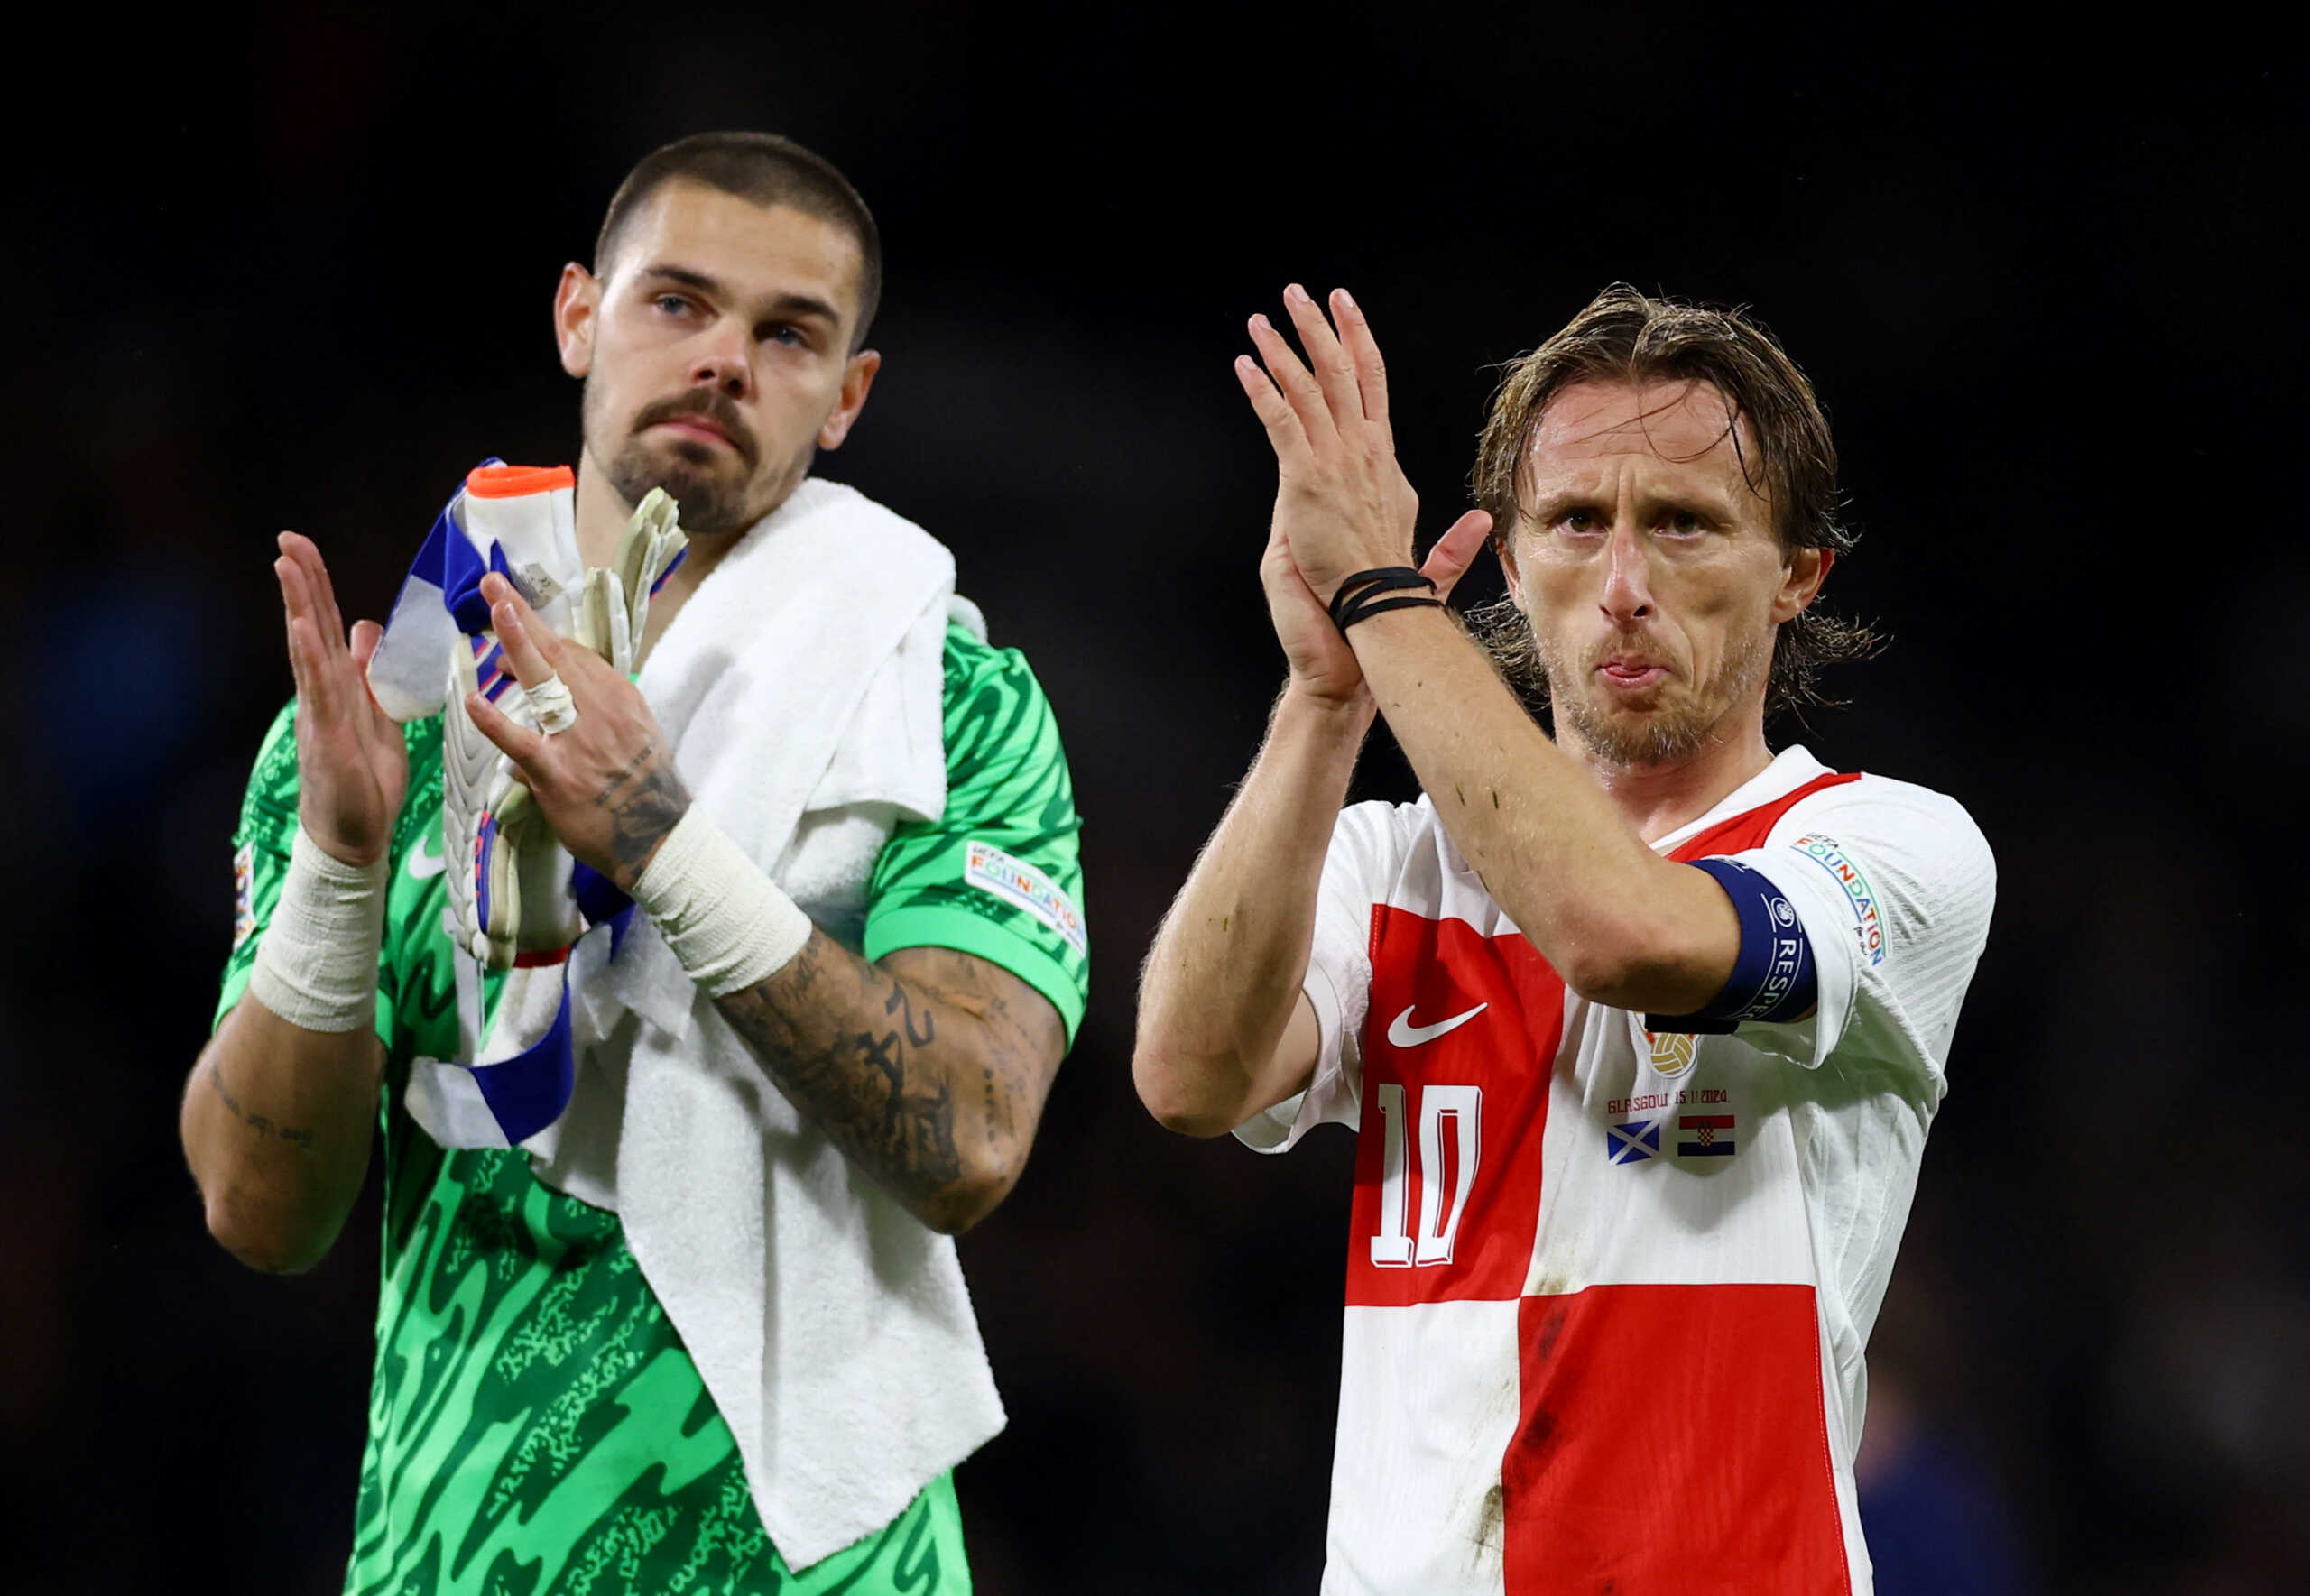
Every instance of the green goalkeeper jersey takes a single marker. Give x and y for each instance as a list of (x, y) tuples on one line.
[(535, 1423)]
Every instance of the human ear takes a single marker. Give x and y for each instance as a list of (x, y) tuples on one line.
[(1503, 549), (1800, 581), (858, 377), (577, 303)]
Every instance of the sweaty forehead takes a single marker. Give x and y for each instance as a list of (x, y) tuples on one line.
[(1680, 424)]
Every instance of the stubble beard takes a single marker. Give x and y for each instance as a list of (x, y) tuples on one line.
[(1672, 735), (709, 503)]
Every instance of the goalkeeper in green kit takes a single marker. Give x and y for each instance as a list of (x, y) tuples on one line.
[(698, 939)]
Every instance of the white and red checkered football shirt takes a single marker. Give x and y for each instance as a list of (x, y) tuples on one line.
[(1608, 1291)]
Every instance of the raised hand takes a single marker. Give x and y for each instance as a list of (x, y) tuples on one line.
[(352, 763), (1342, 504), (608, 783)]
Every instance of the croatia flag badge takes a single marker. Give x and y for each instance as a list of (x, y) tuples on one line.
[(1711, 1136)]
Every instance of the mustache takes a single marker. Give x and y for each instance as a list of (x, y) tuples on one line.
[(716, 408)]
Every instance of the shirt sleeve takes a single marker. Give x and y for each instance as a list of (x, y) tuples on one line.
[(1366, 849), (261, 843), (1894, 885), (998, 875)]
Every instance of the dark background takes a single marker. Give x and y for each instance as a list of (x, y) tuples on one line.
[(292, 267)]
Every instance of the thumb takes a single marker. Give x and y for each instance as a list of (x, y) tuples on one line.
[(1455, 551), (366, 635)]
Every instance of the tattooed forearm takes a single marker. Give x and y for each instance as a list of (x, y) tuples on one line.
[(645, 801), (885, 1063), (256, 1121)]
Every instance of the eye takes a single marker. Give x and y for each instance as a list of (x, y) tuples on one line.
[(1687, 522), (1580, 521), (671, 304), (784, 333)]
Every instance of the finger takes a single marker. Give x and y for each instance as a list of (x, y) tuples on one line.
[(1364, 351), (519, 744), (307, 556), (1334, 373), (305, 658), (531, 649), (1274, 411), (316, 693), (366, 636), (1289, 375), (1455, 551)]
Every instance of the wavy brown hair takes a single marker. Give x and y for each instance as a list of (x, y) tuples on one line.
[(1778, 434)]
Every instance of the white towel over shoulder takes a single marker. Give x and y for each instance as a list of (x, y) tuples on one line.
[(801, 688)]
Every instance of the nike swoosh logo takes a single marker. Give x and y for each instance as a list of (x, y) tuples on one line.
[(1403, 1033), (422, 865)]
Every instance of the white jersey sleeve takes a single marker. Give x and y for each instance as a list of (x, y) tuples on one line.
[(1367, 849), (1894, 884)]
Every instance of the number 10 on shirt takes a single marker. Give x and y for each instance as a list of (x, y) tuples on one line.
[(1445, 1162)]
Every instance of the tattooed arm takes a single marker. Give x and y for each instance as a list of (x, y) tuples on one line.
[(277, 1123), (929, 1069)]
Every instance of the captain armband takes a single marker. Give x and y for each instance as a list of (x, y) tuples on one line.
[(316, 966), (725, 919), (1773, 977)]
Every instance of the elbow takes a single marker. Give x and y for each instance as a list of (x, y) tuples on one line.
[(977, 1191), (269, 1243), (1643, 975), (1170, 1093)]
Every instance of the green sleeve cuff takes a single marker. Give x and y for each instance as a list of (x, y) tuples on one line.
[(928, 926)]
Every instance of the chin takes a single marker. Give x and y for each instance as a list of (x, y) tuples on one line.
[(1661, 735)]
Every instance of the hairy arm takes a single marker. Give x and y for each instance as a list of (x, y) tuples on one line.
[(1223, 1027)]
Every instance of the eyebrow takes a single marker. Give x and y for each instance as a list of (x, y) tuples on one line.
[(1699, 499), (790, 305)]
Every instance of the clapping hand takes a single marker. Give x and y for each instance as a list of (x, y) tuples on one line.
[(1343, 503)]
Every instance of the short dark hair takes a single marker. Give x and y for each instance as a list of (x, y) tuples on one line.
[(1627, 336), (768, 169)]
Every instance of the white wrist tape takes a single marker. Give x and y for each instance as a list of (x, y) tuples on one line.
[(724, 918), (317, 965)]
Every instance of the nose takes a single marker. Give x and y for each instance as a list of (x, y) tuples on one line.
[(1628, 577), (722, 361)]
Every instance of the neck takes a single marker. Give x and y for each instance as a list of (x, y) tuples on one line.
[(1657, 799)]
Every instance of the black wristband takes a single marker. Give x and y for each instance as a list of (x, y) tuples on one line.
[(1359, 597)]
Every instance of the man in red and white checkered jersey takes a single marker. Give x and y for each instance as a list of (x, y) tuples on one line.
[(1641, 1027)]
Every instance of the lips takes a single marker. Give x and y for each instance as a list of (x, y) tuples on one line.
[(1632, 672), (700, 428)]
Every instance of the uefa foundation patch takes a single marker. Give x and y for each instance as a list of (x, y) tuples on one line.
[(1022, 885), (243, 893), (1825, 852)]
